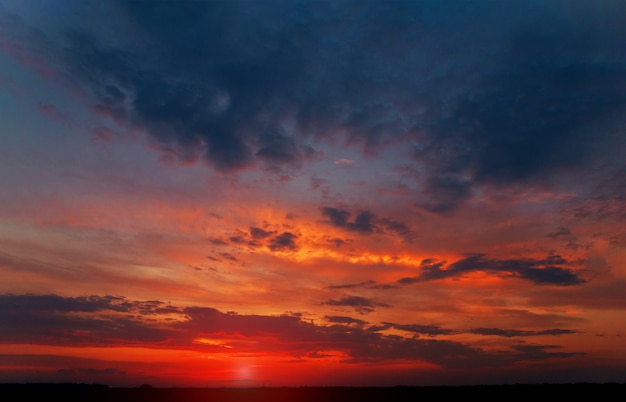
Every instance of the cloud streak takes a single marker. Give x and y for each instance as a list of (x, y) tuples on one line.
[(360, 304), (548, 271), (61, 321)]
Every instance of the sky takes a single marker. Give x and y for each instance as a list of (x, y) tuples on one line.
[(301, 193)]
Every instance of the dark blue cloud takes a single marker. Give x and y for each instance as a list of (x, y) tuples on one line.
[(285, 241), (85, 304), (493, 94), (536, 114), (258, 233), (547, 271), (258, 237), (443, 193), (360, 304), (33, 318), (338, 217), (365, 222)]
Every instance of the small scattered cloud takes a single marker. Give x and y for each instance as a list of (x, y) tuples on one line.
[(229, 257), (360, 304), (285, 241), (258, 233), (337, 319), (366, 222), (362, 223), (256, 237)]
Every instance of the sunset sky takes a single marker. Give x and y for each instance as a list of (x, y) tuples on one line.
[(264, 192)]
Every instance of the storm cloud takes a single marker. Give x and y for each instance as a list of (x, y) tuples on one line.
[(490, 94)]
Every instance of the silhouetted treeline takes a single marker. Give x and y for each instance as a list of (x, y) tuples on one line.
[(100, 393)]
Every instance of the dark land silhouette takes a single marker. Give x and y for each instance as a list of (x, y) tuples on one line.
[(99, 392)]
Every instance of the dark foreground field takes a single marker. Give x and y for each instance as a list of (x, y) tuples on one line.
[(96, 393)]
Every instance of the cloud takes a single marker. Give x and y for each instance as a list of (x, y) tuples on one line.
[(215, 93), (360, 304), (398, 228), (257, 237), (498, 104), (540, 352), (354, 285), (606, 201), (96, 321), (435, 330), (442, 194), (230, 257), (365, 222), (337, 319), (430, 330), (84, 320), (258, 233), (356, 341), (565, 235), (340, 218), (339, 242), (518, 333), (546, 271), (218, 241), (278, 150), (84, 304), (285, 241)]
